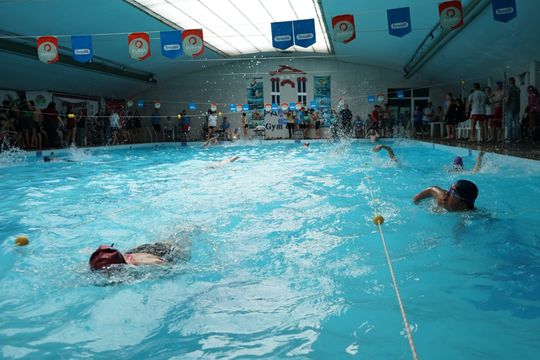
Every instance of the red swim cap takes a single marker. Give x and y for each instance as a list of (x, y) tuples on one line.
[(105, 256)]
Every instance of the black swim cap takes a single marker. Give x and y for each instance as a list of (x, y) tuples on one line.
[(467, 191)]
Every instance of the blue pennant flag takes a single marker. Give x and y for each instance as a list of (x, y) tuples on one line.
[(232, 107), (140, 103), (292, 106), (275, 107), (313, 105), (504, 10), (192, 106), (245, 107), (400, 94), (81, 46), (304, 33), (282, 35), (371, 99), (171, 43), (399, 21)]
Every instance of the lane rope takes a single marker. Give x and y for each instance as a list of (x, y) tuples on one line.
[(378, 219)]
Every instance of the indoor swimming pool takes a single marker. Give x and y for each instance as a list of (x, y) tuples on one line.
[(284, 259)]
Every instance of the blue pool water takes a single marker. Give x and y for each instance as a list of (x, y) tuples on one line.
[(285, 260)]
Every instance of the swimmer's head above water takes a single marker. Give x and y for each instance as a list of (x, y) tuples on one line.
[(105, 256), (458, 163)]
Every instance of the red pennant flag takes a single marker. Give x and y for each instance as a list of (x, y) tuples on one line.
[(451, 13), (47, 48), (139, 46), (192, 42), (343, 28)]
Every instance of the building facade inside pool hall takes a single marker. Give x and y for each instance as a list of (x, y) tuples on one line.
[(483, 51)]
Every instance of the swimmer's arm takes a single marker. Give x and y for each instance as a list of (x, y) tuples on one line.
[(144, 259), (433, 191), (478, 164), (387, 148)]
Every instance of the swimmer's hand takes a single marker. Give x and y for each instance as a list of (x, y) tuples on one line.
[(377, 148)]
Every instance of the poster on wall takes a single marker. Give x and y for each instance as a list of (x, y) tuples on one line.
[(321, 93), (255, 97)]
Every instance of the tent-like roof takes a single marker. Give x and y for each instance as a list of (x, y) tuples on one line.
[(484, 46)]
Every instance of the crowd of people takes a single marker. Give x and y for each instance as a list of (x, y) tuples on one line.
[(24, 126)]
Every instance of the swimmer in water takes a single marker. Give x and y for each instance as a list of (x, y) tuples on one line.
[(52, 159), (211, 141), (388, 149), (306, 144), (460, 197), (373, 135), (159, 253), (223, 162), (457, 164)]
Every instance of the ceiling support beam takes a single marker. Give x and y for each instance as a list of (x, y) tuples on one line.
[(439, 37), (97, 65)]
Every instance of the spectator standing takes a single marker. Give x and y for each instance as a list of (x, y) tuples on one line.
[(451, 116), (316, 120), (427, 115), (114, 123), (418, 126), (81, 127), (512, 107), (496, 120), (212, 124), (156, 122), (346, 118), (533, 110), (245, 125), (476, 104), (225, 127), (387, 122)]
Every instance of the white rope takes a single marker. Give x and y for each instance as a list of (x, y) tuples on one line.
[(396, 288)]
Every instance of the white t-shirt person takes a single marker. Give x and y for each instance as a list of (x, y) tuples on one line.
[(477, 101), (212, 120), (114, 120)]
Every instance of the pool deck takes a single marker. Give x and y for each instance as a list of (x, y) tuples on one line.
[(523, 150)]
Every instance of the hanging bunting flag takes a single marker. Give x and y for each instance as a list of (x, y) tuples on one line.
[(400, 94), (129, 103), (268, 107), (193, 42), (284, 106), (192, 106), (81, 46), (47, 48), (213, 107), (304, 33), (239, 107), (292, 106), (275, 107), (399, 21), (232, 108), (245, 107), (171, 43), (313, 104), (371, 99), (139, 46), (140, 103), (343, 28), (451, 14), (282, 35), (504, 10)]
